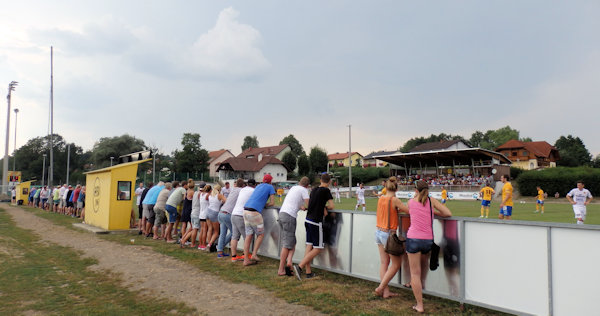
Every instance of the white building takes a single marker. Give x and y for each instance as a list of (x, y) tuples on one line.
[(252, 168)]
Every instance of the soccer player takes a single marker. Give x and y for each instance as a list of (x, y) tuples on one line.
[(540, 200), (360, 197), (507, 202), (486, 199), (445, 197), (579, 197)]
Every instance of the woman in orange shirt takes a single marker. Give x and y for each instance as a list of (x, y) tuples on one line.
[(387, 222)]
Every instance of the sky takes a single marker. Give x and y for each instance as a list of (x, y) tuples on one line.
[(392, 70)]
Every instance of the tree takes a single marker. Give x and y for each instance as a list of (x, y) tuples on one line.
[(294, 144), (572, 152), (303, 165), (596, 161), (250, 141), (115, 146), (318, 159), (289, 160), (416, 141), (494, 138), (29, 160), (193, 158)]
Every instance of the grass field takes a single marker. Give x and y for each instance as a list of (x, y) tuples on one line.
[(40, 277), (560, 212), (329, 293)]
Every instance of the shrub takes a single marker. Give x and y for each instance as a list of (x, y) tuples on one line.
[(360, 174), (560, 179)]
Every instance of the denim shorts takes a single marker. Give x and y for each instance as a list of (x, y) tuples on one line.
[(172, 213), (381, 237), (418, 245)]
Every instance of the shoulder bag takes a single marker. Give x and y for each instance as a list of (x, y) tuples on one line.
[(435, 249), (395, 244)]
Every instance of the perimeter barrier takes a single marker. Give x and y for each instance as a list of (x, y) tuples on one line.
[(521, 267)]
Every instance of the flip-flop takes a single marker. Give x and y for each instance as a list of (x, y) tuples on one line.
[(407, 285), (252, 262)]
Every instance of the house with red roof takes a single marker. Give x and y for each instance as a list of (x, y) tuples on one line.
[(530, 155), (341, 159), (215, 158), (270, 151), (255, 167)]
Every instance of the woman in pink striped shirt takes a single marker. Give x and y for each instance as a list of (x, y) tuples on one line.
[(420, 236)]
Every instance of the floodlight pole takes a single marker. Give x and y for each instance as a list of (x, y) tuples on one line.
[(11, 87)]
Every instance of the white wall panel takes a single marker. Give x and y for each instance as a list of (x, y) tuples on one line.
[(507, 266)]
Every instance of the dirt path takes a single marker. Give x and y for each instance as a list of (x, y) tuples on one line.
[(208, 294)]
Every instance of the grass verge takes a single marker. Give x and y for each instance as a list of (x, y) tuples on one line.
[(329, 293), (40, 277)]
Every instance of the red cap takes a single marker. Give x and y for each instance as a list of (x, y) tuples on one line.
[(267, 178)]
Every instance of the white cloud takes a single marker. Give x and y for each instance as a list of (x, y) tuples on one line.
[(228, 50)]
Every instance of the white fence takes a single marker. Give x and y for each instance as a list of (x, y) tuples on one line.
[(512, 266)]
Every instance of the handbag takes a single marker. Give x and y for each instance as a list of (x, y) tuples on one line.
[(395, 244), (434, 259)]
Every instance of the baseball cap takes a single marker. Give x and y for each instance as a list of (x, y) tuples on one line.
[(251, 182), (202, 184), (267, 178)]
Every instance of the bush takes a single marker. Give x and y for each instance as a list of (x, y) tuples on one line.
[(360, 175), (515, 172), (559, 179)]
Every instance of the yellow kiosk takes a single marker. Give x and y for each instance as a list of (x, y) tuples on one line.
[(22, 191), (109, 194)]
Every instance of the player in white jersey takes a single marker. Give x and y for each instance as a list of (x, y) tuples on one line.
[(360, 197), (579, 198), (336, 190)]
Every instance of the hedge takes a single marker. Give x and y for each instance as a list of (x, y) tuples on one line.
[(559, 179), (360, 174)]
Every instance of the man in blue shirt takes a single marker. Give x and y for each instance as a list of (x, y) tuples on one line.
[(263, 195), (148, 207)]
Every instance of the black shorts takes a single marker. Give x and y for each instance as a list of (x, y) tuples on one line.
[(186, 216), (140, 211)]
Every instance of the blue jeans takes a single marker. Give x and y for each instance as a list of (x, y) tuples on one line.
[(225, 232)]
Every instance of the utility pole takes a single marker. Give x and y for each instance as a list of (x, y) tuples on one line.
[(15, 148), (68, 161), (350, 161), (44, 170)]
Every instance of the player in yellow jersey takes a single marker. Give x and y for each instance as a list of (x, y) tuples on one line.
[(280, 193), (507, 202), (540, 200), (486, 199), (444, 195)]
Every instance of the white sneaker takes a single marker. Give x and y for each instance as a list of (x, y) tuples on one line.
[(481, 216), (486, 217), (536, 211)]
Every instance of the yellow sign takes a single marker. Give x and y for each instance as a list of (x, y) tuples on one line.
[(14, 176)]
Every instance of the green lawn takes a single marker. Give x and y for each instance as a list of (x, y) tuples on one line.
[(553, 212), (38, 277)]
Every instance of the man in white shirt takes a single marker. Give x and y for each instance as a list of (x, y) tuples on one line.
[(295, 200), (579, 198), (226, 190), (63, 202), (237, 219), (360, 197)]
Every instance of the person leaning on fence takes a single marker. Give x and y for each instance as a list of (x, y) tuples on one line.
[(388, 207), (263, 196), (160, 212), (173, 201), (238, 228), (319, 204), (420, 236), (224, 217), (295, 200)]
